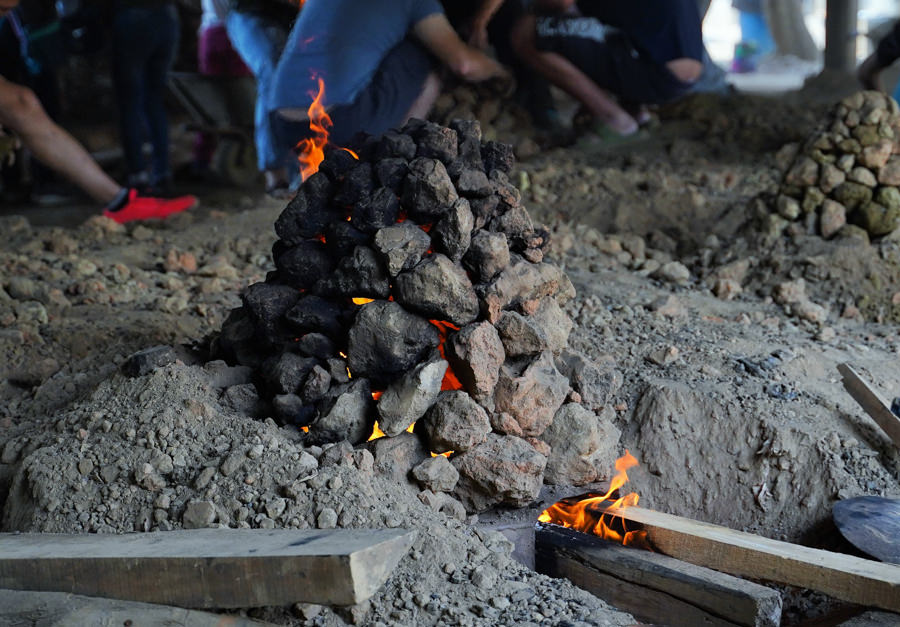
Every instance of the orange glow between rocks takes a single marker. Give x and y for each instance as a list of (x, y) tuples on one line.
[(361, 301), (582, 516)]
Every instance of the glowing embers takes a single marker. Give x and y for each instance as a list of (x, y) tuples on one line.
[(311, 151), (597, 514)]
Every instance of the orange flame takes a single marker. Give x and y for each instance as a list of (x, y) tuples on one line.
[(361, 301), (378, 433), (450, 382), (583, 515), (311, 151)]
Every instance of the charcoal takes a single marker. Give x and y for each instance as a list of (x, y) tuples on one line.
[(506, 192), (438, 289), (361, 275), (521, 335), (453, 233), (314, 314), (476, 355), (285, 374), (467, 130), (303, 264), (336, 164), (472, 183), (436, 142), (413, 126), (454, 423), (555, 323), (409, 397), (583, 445), (309, 212), (396, 145), (401, 246), (342, 237), (345, 414), (391, 172), (522, 281), (396, 457), (243, 399), (428, 192), (504, 470), (337, 368), (487, 255), (437, 474), (237, 343), (147, 360), (291, 410), (484, 209), (316, 345), (497, 156), (531, 396), (597, 383), (386, 340), (376, 211), (267, 303), (316, 385), (516, 224), (356, 185), (365, 146)]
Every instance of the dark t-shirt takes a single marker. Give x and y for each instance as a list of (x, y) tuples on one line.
[(343, 42), (661, 29)]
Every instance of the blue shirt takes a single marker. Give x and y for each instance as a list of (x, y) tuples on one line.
[(661, 29), (343, 42)]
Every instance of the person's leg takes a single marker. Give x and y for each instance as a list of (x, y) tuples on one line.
[(165, 24), (130, 42), (260, 43), (565, 74), (422, 105), (21, 112)]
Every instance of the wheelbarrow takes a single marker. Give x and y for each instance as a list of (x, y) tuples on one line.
[(222, 107)]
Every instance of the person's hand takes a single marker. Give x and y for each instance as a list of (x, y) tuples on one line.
[(479, 36), (8, 146)]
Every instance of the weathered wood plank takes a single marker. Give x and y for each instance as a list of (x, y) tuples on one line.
[(653, 587), (871, 402), (60, 609), (208, 568), (845, 577)]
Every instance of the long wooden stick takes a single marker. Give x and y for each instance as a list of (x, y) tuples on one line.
[(844, 577), (655, 588), (871, 401), (208, 568)]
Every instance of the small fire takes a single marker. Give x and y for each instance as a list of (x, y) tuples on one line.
[(362, 301), (311, 151), (378, 433), (450, 382), (583, 515)]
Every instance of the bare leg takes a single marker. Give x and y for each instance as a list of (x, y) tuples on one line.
[(21, 111), (431, 89), (564, 74)]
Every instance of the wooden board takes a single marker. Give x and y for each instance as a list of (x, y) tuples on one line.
[(60, 609), (207, 568), (845, 577), (871, 401), (655, 588)]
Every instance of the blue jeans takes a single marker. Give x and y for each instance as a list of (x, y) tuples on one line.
[(260, 41), (144, 43)]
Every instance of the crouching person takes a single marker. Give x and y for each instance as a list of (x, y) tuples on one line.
[(377, 60), (614, 57)]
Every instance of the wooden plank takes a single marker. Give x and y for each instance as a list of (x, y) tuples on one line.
[(208, 568), (871, 401), (23, 607), (845, 577), (655, 588)]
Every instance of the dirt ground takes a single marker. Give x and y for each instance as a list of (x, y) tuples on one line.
[(731, 403)]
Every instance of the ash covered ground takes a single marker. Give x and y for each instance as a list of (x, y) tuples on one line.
[(725, 340)]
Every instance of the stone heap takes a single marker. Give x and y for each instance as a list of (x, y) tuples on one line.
[(847, 172), (411, 289)]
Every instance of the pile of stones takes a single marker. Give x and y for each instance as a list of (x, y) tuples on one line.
[(846, 176), (411, 290)]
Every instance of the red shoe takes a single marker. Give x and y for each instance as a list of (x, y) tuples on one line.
[(147, 208)]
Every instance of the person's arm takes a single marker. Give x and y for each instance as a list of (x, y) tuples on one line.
[(436, 34), (564, 74), (479, 35)]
